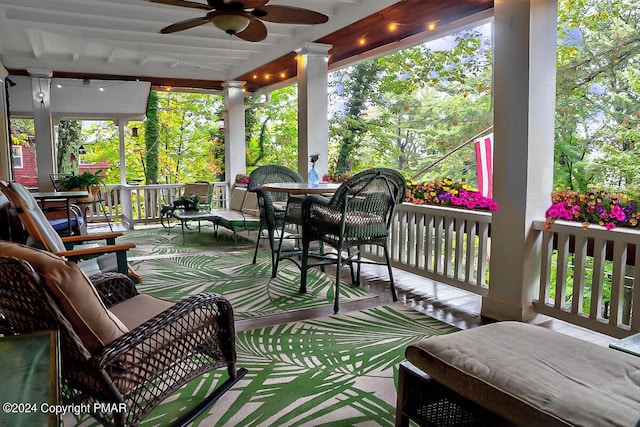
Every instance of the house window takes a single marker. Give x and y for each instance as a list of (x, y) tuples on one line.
[(16, 156)]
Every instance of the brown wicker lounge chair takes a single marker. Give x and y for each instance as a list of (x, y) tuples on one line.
[(359, 213), (91, 257), (275, 212), (118, 346)]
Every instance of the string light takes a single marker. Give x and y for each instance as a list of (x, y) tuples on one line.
[(431, 26), (362, 41), (393, 27)]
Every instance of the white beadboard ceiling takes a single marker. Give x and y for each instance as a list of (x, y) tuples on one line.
[(121, 38)]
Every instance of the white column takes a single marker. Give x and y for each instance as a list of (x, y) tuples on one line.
[(524, 92), (313, 128), (123, 154), (235, 156), (45, 149), (125, 191), (5, 143)]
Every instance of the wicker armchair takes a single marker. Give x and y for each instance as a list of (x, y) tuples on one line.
[(156, 348), (359, 213), (276, 209), (91, 257)]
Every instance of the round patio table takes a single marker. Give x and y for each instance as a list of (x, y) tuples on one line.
[(301, 187)]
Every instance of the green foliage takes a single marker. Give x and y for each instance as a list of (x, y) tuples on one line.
[(273, 136), (598, 95), (69, 140), (85, 179), (407, 109), (151, 139), (20, 130)]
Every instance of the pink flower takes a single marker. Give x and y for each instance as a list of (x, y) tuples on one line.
[(618, 213)]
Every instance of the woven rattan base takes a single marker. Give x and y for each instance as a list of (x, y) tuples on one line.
[(428, 403)]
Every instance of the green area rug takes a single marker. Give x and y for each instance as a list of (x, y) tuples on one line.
[(340, 370), (249, 287), (152, 241)]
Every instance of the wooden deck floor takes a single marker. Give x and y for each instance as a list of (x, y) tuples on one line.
[(443, 302)]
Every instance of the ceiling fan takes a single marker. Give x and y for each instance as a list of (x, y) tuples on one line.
[(243, 18)]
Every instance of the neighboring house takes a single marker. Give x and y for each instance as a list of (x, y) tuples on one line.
[(25, 168)]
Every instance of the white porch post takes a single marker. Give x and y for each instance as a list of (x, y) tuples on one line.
[(45, 149), (524, 91), (313, 128), (5, 142), (235, 156), (125, 191)]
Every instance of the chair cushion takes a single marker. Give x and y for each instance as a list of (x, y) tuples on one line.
[(51, 239), (237, 198), (535, 376), (73, 291), (137, 310), (250, 204), (62, 224)]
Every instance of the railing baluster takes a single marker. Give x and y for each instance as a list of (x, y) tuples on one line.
[(561, 270), (448, 254), (545, 268), (617, 282), (471, 247), (579, 265), (458, 259), (635, 294), (598, 278), (481, 256), (420, 238)]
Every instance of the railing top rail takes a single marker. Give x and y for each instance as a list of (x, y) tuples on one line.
[(152, 186), (458, 213), (593, 231)]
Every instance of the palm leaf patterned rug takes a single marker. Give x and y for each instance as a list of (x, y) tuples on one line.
[(250, 287), (340, 370), (154, 241)]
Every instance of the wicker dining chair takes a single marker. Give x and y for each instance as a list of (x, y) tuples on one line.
[(359, 213), (276, 209), (117, 346)]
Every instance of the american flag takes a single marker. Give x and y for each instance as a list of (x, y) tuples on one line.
[(484, 164)]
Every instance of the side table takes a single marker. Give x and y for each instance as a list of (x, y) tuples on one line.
[(630, 344)]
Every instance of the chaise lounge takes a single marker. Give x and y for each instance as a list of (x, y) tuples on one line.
[(515, 373)]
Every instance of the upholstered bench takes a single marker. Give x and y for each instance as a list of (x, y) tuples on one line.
[(241, 215), (518, 373)]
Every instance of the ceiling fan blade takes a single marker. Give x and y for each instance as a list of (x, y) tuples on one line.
[(184, 3), (184, 25), (255, 32), (289, 15), (250, 4)]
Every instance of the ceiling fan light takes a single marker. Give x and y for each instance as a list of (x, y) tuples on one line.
[(231, 24)]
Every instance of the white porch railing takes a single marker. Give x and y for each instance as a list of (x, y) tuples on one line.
[(587, 276), (135, 204), (444, 244)]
